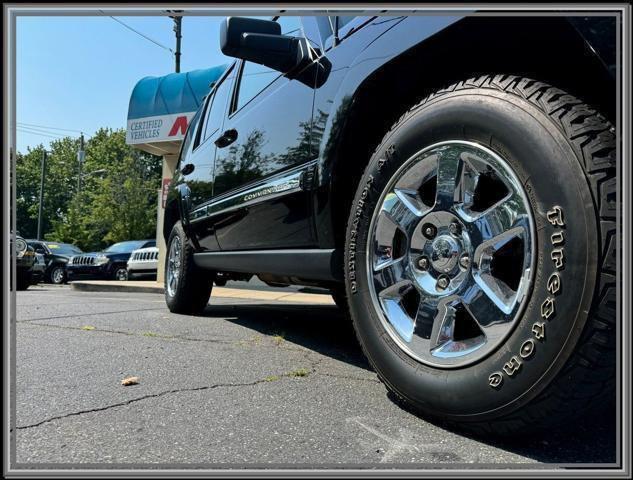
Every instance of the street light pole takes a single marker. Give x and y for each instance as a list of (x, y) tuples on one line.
[(178, 30), (39, 212), (80, 158)]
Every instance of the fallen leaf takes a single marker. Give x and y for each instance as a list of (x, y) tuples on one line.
[(87, 327), (129, 381)]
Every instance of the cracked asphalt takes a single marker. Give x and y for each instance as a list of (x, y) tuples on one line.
[(249, 383)]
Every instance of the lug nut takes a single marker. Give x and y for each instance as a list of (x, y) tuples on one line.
[(423, 263), (464, 261), (429, 231), (442, 283), (454, 228)]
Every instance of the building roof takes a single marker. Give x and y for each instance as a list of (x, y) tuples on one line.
[(160, 108)]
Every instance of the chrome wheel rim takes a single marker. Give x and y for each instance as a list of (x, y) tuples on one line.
[(121, 274), (173, 266), (450, 255), (58, 275)]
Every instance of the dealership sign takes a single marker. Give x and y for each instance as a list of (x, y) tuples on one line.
[(161, 108), (161, 128)]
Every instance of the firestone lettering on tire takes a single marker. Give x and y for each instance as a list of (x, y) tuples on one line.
[(548, 307)]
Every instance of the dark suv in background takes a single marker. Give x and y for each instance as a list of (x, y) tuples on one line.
[(452, 181), (24, 261), (56, 256), (110, 264)]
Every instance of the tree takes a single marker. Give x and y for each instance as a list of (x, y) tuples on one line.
[(118, 196), (61, 170)]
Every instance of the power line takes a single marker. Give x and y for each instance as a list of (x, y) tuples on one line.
[(39, 130), (138, 33), (40, 134), (46, 132), (48, 128)]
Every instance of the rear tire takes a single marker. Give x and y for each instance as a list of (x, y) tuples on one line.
[(187, 287), (557, 361)]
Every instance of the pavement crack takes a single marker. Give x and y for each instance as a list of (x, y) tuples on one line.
[(135, 334), (144, 397), (87, 314)]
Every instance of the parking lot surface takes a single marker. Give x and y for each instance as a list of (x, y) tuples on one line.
[(249, 382)]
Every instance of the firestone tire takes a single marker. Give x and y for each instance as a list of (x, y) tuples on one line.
[(558, 360), (191, 287)]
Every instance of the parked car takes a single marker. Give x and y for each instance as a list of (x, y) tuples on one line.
[(24, 261), (450, 179), (111, 264), (56, 256), (143, 263)]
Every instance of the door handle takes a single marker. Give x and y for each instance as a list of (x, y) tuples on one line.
[(187, 168), (227, 138)]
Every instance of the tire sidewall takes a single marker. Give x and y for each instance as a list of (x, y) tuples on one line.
[(62, 277), (547, 166), (118, 269), (177, 231)]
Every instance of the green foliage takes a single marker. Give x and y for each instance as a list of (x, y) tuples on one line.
[(118, 195)]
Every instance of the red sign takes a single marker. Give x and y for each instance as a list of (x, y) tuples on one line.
[(166, 182), (179, 124)]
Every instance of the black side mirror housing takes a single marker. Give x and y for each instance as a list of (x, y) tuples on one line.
[(261, 41)]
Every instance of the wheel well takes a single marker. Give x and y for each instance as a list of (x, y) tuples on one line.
[(171, 216), (548, 49)]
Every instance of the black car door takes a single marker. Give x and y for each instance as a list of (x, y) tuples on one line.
[(263, 160), (198, 162)]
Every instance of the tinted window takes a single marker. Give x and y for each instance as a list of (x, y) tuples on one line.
[(218, 107), (125, 247), (254, 77), (38, 247), (346, 23), (325, 27), (191, 130), (344, 20), (63, 248)]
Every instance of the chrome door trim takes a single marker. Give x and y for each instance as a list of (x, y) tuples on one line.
[(285, 183)]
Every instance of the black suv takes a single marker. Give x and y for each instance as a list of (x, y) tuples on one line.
[(24, 261), (56, 256), (111, 264), (450, 179)]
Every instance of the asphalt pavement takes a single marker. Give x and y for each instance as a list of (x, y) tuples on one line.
[(250, 383)]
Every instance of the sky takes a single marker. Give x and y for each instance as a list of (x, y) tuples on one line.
[(77, 73)]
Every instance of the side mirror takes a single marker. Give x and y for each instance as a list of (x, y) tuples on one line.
[(261, 41)]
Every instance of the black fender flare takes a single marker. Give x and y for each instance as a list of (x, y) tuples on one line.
[(179, 204)]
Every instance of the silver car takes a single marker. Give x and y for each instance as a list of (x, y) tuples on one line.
[(142, 263)]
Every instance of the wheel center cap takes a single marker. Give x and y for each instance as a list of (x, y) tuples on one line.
[(445, 253)]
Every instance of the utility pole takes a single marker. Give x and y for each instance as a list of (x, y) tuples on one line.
[(80, 158), (178, 30), (39, 212)]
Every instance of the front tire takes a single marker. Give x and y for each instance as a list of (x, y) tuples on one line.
[(57, 275), (187, 287), (446, 324), (120, 273)]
